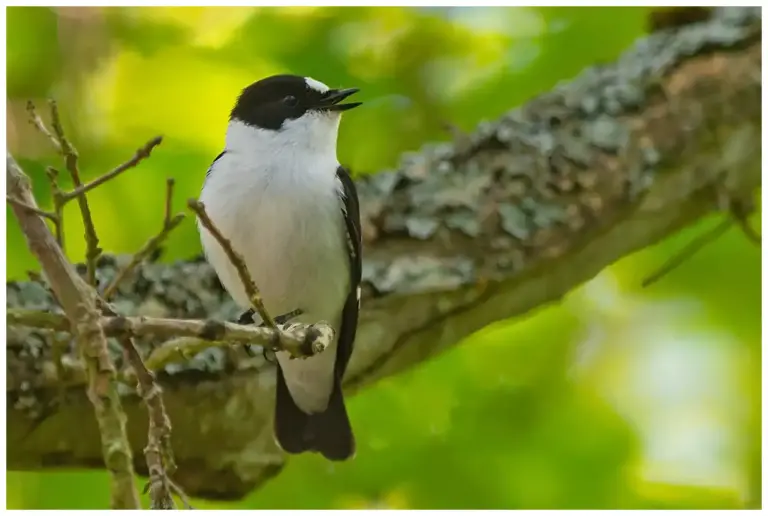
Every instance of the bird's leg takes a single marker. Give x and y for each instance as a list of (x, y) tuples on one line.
[(282, 319), (247, 318)]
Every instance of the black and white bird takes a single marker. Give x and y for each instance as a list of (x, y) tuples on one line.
[(280, 196)]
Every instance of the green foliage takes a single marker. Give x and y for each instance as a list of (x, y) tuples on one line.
[(32, 53), (514, 417)]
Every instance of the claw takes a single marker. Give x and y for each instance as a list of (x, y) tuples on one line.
[(264, 353)]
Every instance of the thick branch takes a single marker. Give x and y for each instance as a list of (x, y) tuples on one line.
[(458, 237)]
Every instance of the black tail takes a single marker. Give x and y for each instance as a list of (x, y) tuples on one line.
[(328, 432)]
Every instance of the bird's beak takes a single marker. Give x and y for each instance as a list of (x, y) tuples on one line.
[(332, 99)]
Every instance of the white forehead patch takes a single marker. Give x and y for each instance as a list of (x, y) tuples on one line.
[(316, 85)]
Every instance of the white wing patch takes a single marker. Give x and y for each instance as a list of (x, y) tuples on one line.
[(316, 85)]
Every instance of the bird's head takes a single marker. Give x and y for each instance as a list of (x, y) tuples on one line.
[(292, 109)]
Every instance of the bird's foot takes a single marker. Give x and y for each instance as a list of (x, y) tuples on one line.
[(283, 319), (268, 354)]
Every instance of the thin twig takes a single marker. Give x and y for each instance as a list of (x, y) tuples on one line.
[(169, 223), (300, 340), (178, 491), (141, 254), (741, 211), (749, 232), (140, 155), (35, 120), (70, 158), (158, 453), (688, 251), (237, 261), (48, 215), (52, 174), (169, 183), (58, 204)]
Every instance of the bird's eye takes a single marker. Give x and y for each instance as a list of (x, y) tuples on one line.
[(290, 100)]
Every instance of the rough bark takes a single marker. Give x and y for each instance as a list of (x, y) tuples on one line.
[(459, 236)]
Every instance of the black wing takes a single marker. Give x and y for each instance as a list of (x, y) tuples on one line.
[(330, 431), (351, 213), (210, 169)]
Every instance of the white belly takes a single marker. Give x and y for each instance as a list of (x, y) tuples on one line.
[(289, 229)]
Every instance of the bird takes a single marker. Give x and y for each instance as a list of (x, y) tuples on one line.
[(279, 195)]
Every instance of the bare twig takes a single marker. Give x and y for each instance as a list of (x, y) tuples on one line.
[(688, 251), (300, 340), (35, 119), (48, 215), (740, 212), (51, 172), (141, 154), (58, 204), (158, 453), (237, 261), (749, 232), (178, 491), (141, 254), (70, 158), (78, 302), (37, 318), (169, 183), (169, 223)]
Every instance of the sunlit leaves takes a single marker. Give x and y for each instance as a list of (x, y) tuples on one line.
[(189, 101), (207, 26)]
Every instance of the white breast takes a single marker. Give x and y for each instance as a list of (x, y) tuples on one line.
[(284, 217)]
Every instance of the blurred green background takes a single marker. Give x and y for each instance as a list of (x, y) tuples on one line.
[(617, 397)]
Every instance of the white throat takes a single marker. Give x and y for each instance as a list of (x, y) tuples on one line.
[(313, 133)]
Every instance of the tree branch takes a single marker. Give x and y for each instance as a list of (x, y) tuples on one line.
[(48, 215), (292, 337), (58, 200), (141, 154), (71, 160), (78, 303), (535, 204)]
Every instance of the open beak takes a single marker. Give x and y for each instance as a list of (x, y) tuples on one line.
[(331, 100)]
